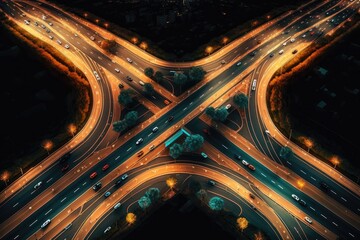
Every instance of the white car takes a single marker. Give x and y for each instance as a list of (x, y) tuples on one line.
[(45, 223), (308, 219), (51, 37), (50, 24), (292, 40), (117, 70), (304, 36), (38, 185), (295, 197), (267, 132), (67, 46), (281, 51), (244, 162), (107, 229), (155, 129), (75, 35), (129, 60), (140, 140), (92, 38), (238, 64), (117, 205), (228, 106), (284, 44)]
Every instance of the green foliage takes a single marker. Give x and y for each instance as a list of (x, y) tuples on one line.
[(193, 142), (149, 72), (221, 114), (210, 111), (241, 100), (153, 194), (159, 76), (180, 78), (149, 88), (196, 74), (126, 96), (175, 150), (131, 118), (144, 202), (286, 153), (109, 45), (120, 126), (216, 203)]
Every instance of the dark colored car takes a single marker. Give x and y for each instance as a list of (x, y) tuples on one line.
[(302, 202), (97, 186), (119, 181), (238, 157), (324, 186)]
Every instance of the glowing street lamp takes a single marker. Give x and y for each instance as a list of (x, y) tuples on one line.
[(106, 25), (143, 45), (335, 160), (225, 40), (309, 143), (5, 176), (209, 50), (300, 183), (130, 218), (47, 145), (85, 14), (97, 20), (72, 129), (134, 40), (171, 182)]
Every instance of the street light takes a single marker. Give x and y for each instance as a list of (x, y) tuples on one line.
[(143, 45), (85, 14), (309, 143), (134, 40), (106, 25), (5, 176), (171, 182), (225, 40), (72, 129), (335, 160), (97, 20), (47, 145), (300, 183), (209, 50)]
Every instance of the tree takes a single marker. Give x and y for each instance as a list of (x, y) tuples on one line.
[(144, 202), (130, 218), (159, 76), (149, 88), (196, 74), (221, 114), (153, 194), (216, 203), (241, 100), (120, 126), (109, 45), (171, 182), (180, 79), (131, 118), (193, 142), (242, 223), (176, 150), (286, 153), (126, 96), (149, 72), (210, 111)]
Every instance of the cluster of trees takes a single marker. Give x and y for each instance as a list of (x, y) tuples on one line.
[(129, 120), (241, 100), (152, 195), (191, 144), (193, 75), (217, 114), (157, 76), (109, 45), (126, 96), (285, 153)]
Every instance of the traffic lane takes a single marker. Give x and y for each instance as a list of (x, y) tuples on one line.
[(279, 185)]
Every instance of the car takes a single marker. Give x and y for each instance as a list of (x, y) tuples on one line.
[(211, 182), (245, 163), (251, 195), (107, 194), (281, 51), (167, 102), (155, 129), (302, 202), (48, 30), (237, 156), (252, 53), (50, 23), (36, 23), (97, 186), (65, 168), (128, 78), (271, 55), (304, 36), (295, 197), (324, 186), (287, 32), (222, 62), (140, 140), (107, 229), (228, 106), (38, 185), (267, 132), (251, 167), (117, 205), (92, 38), (129, 60), (258, 41), (295, 51), (93, 175), (238, 64), (67, 46), (105, 167), (171, 118), (43, 26), (51, 37), (139, 154), (121, 85), (117, 70), (75, 35), (58, 41), (141, 83), (284, 44), (292, 40), (152, 147), (308, 219), (204, 155), (46, 223)]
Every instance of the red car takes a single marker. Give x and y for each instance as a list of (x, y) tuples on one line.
[(93, 175), (106, 166), (251, 167)]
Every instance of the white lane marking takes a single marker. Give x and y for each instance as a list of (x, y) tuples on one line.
[(302, 171), (84, 183), (201, 95), (91, 52), (33, 191), (184, 108), (63, 199), (351, 234), (312, 209), (344, 199), (99, 58), (48, 212), (16, 237), (109, 64), (141, 69), (71, 37), (334, 223), (49, 180), (313, 178), (273, 181), (323, 216), (117, 157), (225, 146), (135, 63), (191, 103), (77, 42), (210, 88), (281, 187), (129, 149), (76, 190), (263, 174), (150, 134), (33, 223), (289, 162), (333, 192), (84, 47), (15, 204)]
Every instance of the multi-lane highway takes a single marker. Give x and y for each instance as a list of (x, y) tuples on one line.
[(62, 195)]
